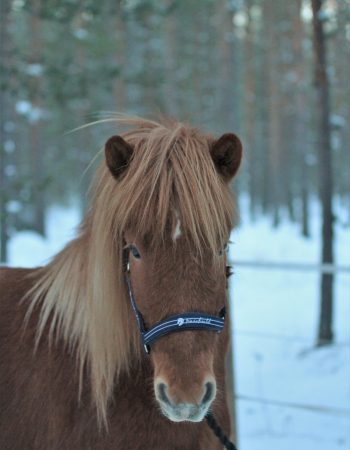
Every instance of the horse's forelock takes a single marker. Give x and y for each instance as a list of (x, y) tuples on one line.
[(172, 170)]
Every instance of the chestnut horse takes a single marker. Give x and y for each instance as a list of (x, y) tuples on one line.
[(73, 371)]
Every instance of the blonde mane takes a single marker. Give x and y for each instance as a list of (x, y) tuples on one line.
[(82, 290)]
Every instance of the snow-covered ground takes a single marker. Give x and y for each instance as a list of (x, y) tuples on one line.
[(29, 249), (274, 326), (275, 317)]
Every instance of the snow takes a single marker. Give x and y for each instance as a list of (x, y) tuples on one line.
[(81, 33), (13, 206), (23, 107), (275, 315), (9, 146), (274, 325), (33, 113), (10, 170), (324, 16), (34, 70), (337, 121), (29, 249)]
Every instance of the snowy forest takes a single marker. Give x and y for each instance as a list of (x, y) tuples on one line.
[(246, 66), (276, 73)]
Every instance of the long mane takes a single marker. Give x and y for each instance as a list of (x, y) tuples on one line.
[(81, 292)]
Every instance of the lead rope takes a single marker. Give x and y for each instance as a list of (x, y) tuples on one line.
[(217, 430)]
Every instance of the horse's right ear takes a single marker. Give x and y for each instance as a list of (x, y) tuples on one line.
[(118, 154), (227, 155)]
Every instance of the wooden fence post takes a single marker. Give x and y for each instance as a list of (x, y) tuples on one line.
[(230, 378)]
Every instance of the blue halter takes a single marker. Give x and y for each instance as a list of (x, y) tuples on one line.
[(175, 323)]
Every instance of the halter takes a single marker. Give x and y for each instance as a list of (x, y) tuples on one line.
[(172, 324)]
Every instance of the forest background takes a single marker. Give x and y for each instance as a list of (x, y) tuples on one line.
[(274, 72)]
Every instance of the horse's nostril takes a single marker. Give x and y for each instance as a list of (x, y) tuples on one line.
[(209, 393), (162, 394)]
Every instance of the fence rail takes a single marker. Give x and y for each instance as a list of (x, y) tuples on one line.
[(288, 266), (284, 337), (296, 266), (313, 408)]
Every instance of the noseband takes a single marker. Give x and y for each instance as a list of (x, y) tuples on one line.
[(172, 324)]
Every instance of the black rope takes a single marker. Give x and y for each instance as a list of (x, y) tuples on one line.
[(219, 433)]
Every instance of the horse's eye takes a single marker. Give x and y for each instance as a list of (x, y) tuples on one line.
[(135, 253), (223, 250)]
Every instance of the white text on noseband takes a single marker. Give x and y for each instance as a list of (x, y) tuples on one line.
[(181, 321)]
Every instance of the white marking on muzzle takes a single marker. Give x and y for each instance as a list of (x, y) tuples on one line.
[(185, 412)]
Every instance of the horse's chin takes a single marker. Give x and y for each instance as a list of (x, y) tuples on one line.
[(184, 413)]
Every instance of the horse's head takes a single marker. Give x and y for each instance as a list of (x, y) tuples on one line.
[(177, 223)]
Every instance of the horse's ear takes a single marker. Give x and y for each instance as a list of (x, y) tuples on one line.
[(227, 155), (118, 154)]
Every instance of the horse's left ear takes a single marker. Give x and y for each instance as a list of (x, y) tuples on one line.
[(227, 155), (118, 154)]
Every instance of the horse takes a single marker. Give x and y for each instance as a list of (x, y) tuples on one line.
[(73, 370)]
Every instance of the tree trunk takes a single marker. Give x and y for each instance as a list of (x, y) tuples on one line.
[(119, 83), (250, 111), (275, 120), (230, 379), (4, 104), (301, 126), (325, 332), (35, 127), (230, 96)]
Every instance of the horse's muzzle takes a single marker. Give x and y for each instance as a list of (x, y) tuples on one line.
[(185, 411)]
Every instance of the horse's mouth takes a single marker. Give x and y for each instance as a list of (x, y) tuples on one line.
[(184, 412)]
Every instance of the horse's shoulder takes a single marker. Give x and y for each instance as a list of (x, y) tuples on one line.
[(16, 274), (39, 386), (15, 283)]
